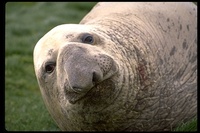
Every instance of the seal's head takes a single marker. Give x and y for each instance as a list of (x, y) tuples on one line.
[(72, 62)]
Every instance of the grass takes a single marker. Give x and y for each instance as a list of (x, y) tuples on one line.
[(26, 23), (189, 126)]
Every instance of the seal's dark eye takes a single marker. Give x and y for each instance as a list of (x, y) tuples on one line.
[(87, 38), (49, 67)]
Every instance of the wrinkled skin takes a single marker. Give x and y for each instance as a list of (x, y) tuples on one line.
[(126, 66)]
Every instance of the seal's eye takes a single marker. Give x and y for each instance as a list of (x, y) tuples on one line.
[(49, 67), (87, 38)]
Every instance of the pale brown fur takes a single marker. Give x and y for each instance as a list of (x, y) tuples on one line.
[(139, 74)]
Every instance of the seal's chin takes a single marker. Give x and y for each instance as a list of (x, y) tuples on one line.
[(73, 96), (96, 94)]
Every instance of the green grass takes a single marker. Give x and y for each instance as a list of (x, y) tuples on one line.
[(26, 23), (189, 126)]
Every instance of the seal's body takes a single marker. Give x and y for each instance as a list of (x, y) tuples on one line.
[(125, 67)]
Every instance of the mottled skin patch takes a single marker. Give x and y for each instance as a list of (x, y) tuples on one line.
[(50, 52), (172, 52), (185, 46), (138, 74)]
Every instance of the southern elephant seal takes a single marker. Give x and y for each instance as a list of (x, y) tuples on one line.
[(124, 67)]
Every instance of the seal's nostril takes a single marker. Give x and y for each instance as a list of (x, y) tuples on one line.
[(96, 77)]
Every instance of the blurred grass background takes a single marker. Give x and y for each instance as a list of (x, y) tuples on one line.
[(26, 23)]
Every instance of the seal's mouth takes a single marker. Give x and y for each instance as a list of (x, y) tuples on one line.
[(73, 96), (97, 93)]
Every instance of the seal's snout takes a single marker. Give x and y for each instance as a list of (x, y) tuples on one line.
[(85, 67), (90, 80), (84, 75), (83, 72)]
